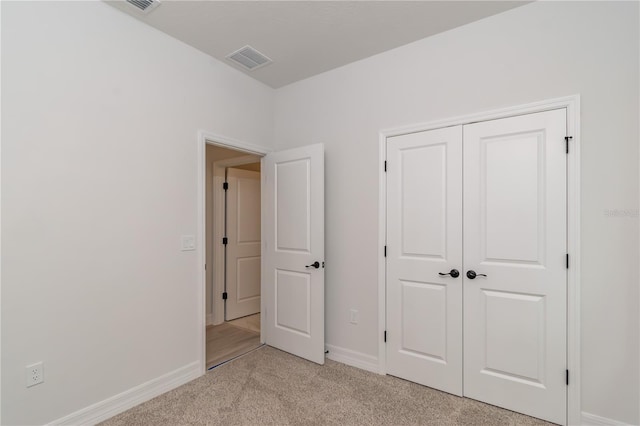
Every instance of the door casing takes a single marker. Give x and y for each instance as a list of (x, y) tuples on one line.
[(208, 138), (572, 105)]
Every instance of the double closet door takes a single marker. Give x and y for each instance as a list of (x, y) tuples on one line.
[(476, 261)]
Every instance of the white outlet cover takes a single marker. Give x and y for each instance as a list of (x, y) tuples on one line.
[(188, 243), (34, 374)]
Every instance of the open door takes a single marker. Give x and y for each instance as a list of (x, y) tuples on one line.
[(293, 251)]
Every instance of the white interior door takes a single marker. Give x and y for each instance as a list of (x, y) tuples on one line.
[(424, 241), (515, 233), (243, 243), (293, 241)]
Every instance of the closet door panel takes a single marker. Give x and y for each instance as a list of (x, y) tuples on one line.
[(515, 234), (424, 239)]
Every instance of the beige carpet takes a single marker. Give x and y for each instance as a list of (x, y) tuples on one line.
[(270, 387)]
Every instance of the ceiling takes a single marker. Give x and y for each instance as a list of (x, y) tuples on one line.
[(305, 38)]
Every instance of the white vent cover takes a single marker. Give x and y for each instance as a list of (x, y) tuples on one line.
[(249, 58), (145, 6)]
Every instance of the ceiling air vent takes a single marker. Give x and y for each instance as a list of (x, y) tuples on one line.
[(145, 6), (249, 58)]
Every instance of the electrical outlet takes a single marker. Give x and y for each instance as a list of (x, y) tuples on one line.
[(354, 316), (188, 243), (35, 374)]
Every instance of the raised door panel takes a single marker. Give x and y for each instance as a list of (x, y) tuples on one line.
[(293, 296), (293, 209), (424, 321)]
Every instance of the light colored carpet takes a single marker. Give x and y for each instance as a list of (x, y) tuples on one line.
[(271, 387)]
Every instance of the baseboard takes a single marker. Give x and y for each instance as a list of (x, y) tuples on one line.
[(594, 420), (209, 319), (103, 410), (353, 358)]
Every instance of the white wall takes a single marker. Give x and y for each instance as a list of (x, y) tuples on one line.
[(535, 52), (100, 118)]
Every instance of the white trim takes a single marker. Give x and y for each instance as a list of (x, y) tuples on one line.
[(204, 138), (572, 105), (540, 106), (574, 408), (0, 236), (226, 142), (352, 358), (218, 256), (117, 404), (382, 264), (594, 420)]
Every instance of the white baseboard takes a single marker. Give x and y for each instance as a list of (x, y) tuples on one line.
[(594, 420), (353, 358), (103, 410)]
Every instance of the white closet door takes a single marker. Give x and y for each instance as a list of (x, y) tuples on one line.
[(243, 247), (424, 239), (515, 233)]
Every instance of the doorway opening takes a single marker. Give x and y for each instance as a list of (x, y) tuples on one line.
[(292, 245), (232, 253)]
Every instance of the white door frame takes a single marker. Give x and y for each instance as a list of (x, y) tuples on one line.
[(204, 138), (218, 231), (572, 105)]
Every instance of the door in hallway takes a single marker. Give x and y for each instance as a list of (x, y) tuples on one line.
[(243, 243)]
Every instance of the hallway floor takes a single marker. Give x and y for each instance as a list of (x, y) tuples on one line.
[(231, 339)]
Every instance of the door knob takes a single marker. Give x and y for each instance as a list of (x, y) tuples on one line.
[(472, 275), (315, 264), (454, 273)]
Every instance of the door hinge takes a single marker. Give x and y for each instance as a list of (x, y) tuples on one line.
[(224, 296), (385, 165), (225, 240), (567, 260), (225, 186), (385, 336), (566, 141), (385, 251), (567, 377)]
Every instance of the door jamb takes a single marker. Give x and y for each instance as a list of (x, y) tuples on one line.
[(572, 105), (218, 230), (204, 138)]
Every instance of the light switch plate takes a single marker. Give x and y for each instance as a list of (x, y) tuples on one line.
[(353, 316), (188, 243)]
